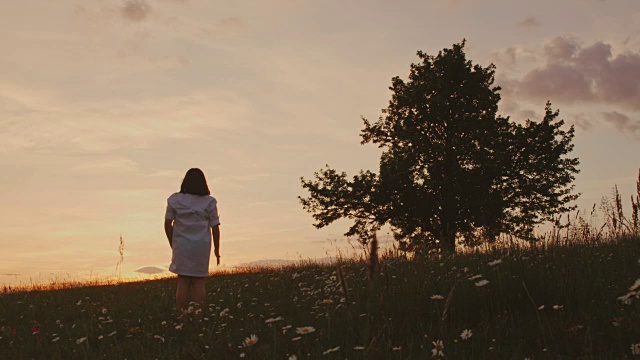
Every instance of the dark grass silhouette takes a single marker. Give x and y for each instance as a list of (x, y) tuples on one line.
[(547, 300)]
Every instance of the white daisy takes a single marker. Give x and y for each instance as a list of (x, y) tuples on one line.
[(251, 340)]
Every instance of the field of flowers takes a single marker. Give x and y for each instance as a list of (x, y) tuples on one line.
[(544, 302)]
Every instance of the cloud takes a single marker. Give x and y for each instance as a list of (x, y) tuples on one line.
[(561, 48), (36, 121), (511, 57), (557, 81), (573, 73), (172, 174), (150, 270), (581, 120), (622, 122), (506, 56), (135, 10), (111, 166), (528, 22)]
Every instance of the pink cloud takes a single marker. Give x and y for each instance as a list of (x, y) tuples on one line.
[(561, 48), (556, 81), (576, 74)]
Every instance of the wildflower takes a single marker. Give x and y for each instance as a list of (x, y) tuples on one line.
[(296, 338), (224, 312), (626, 299), (331, 350), (35, 329), (239, 305), (292, 357), (558, 307), (540, 307), (358, 348), (242, 355), (437, 297), (112, 333), (251, 340), (438, 347), (305, 330), (81, 340), (474, 277), (79, 302), (178, 327), (397, 348), (100, 337), (158, 337), (495, 262), (482, 282), (55, 339), (466, 334), (635, 285), (104, 310), (635, 349), (270, 320), (327, 301)]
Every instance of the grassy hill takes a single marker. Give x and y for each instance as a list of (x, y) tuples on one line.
[(544, 302)]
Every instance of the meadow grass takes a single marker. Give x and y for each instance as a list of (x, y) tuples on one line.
[(550, 301)]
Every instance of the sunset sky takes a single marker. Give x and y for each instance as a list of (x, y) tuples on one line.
[(105, 104)]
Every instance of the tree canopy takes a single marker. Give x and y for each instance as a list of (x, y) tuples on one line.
[(452, 170)]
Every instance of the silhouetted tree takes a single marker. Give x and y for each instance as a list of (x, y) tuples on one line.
[(452, 169)]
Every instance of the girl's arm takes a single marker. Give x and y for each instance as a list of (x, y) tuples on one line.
[(215, 230), (168, 229)]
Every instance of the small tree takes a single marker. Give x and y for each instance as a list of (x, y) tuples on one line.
[(451, 169)]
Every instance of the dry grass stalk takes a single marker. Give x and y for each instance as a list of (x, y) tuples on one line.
[(447, 304), (121, 252), (374, 263), (343, 284)]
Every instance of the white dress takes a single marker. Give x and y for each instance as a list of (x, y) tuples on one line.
[(193, 216)]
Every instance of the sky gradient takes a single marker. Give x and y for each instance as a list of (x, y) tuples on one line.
[(104, 105)]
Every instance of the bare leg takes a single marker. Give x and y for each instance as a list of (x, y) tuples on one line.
[(182, 294), (198, 292)]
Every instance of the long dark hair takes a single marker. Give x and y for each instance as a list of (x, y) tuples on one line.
[(194, 183)]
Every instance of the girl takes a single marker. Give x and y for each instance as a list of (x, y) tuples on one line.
[(191, 219)]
